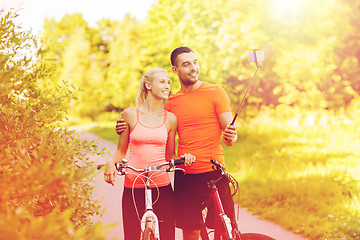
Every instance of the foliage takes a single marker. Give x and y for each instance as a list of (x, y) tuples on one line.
[(77, 54), (310, 62), (125, 68), (300, 172), (44, 172)]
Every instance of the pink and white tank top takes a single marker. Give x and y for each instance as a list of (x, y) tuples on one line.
[(147, 148)]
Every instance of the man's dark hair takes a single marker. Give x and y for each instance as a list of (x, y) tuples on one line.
[(178, 51)]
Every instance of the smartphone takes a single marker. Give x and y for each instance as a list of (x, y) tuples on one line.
[(257, 56)]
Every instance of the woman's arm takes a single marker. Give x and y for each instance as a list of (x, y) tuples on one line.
[(123, 143)]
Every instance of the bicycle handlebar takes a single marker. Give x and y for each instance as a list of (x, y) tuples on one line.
[(217, 164), (172, 163), (219, 167)]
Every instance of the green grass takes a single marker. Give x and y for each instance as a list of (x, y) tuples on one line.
[(306, 178), (303, 176), (106, 132)]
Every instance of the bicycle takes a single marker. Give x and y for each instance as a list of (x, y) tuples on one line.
[(223, 228), (149, 223)]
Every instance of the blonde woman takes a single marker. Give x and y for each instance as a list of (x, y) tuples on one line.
[(151, 133)]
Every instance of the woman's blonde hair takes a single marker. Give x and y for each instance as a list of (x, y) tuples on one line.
[(143, 91)]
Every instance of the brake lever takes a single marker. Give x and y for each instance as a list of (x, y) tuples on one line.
[(120, 168), (173, 169)]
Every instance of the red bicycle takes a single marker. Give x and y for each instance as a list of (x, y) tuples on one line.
[(223, 228)]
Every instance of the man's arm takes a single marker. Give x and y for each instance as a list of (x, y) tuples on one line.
[(229, 131)]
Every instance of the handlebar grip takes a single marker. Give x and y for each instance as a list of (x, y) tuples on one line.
[(100, 166), (216, 163), (179, 161)]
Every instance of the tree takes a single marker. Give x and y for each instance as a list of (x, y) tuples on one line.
[(195, 24), (80, 56), (345, 77), (126, 52), (299, 45)]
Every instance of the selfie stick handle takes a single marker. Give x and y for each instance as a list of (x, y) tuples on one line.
[(242, 101)]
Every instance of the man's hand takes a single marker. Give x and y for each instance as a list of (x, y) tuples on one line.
[(230, 135), (120, 126)]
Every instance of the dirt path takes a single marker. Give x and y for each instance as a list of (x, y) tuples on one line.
[(111, 203)]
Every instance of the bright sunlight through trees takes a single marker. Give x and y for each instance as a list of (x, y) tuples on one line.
[(298, 154), (289, 9)]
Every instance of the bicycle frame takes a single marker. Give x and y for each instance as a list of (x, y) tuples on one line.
[(149, 219), (223, 226), (222, 221)]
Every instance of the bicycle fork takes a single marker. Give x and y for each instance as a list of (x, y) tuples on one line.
[(222, 221), (149, 219)]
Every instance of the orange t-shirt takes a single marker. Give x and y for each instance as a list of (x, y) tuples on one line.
[(199, 129)]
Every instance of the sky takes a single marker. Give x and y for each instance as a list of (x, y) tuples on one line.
[(35, 11)]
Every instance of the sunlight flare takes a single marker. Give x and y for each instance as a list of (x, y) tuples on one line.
[(286, 8)]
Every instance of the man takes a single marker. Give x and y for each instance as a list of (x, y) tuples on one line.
[(204, 115)]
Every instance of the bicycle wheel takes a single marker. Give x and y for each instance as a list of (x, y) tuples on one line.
[(255, 236), (148, 234)]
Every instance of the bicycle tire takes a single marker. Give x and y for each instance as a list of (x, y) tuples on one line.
[(255, 236), (148, 234)]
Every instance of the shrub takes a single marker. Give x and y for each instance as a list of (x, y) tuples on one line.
[(45, 190)]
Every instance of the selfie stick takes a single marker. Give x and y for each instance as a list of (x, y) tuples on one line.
[(256, 56)]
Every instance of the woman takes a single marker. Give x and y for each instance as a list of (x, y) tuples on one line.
[(151, 134)]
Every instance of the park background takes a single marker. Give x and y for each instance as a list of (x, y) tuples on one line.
[(297, 157)]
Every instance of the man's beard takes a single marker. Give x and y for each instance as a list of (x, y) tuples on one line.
[(188, 83)]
